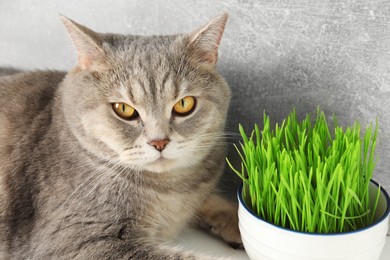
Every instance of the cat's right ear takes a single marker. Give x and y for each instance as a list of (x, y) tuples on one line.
[(88, 44)]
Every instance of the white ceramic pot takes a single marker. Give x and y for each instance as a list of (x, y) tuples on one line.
[(264, 241)]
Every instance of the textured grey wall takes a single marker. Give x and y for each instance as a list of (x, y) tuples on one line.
[(275, 54)]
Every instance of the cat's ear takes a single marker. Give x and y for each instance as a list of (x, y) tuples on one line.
[(206, 39), (87, 42)]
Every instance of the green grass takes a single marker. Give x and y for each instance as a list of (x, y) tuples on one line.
[(306, 178)]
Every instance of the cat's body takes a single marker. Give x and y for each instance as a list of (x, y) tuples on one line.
[(79, 181)]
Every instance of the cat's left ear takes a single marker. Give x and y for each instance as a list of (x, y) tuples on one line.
[(88, 44), (207, 38)]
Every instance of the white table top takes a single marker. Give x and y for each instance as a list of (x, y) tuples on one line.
[(202, 242)]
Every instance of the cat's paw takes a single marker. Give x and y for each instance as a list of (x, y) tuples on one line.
[(224, 223), (221, 218)]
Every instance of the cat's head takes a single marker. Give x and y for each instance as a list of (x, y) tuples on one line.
[(152, 103)]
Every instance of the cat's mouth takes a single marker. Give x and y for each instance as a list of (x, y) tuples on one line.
[(163, 160), (161, 164)]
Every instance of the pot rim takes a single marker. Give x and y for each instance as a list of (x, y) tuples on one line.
[(384, 216)]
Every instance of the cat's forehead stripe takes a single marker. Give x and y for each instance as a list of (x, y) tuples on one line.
[(151, 85), (165, 79)]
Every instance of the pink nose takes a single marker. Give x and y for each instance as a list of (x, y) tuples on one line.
[(159, 144)]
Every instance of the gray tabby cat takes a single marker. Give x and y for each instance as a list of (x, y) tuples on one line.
[(117, 156)]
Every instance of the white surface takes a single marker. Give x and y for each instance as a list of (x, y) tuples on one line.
[(201, 242)]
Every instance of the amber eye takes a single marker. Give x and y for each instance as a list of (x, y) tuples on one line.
[(185, 106), (124, 111)]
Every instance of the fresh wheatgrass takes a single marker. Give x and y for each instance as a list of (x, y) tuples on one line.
[(303, 177)]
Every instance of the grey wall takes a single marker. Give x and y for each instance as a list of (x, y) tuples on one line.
[(275, 54)]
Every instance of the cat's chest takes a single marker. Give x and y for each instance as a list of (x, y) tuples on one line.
[(170, 213)]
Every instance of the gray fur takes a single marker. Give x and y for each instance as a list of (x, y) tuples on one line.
[(8, 71), (78, 182)]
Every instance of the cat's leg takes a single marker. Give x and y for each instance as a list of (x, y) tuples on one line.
[(220, 216), (108, 249), (136, 252), (78, 245)]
